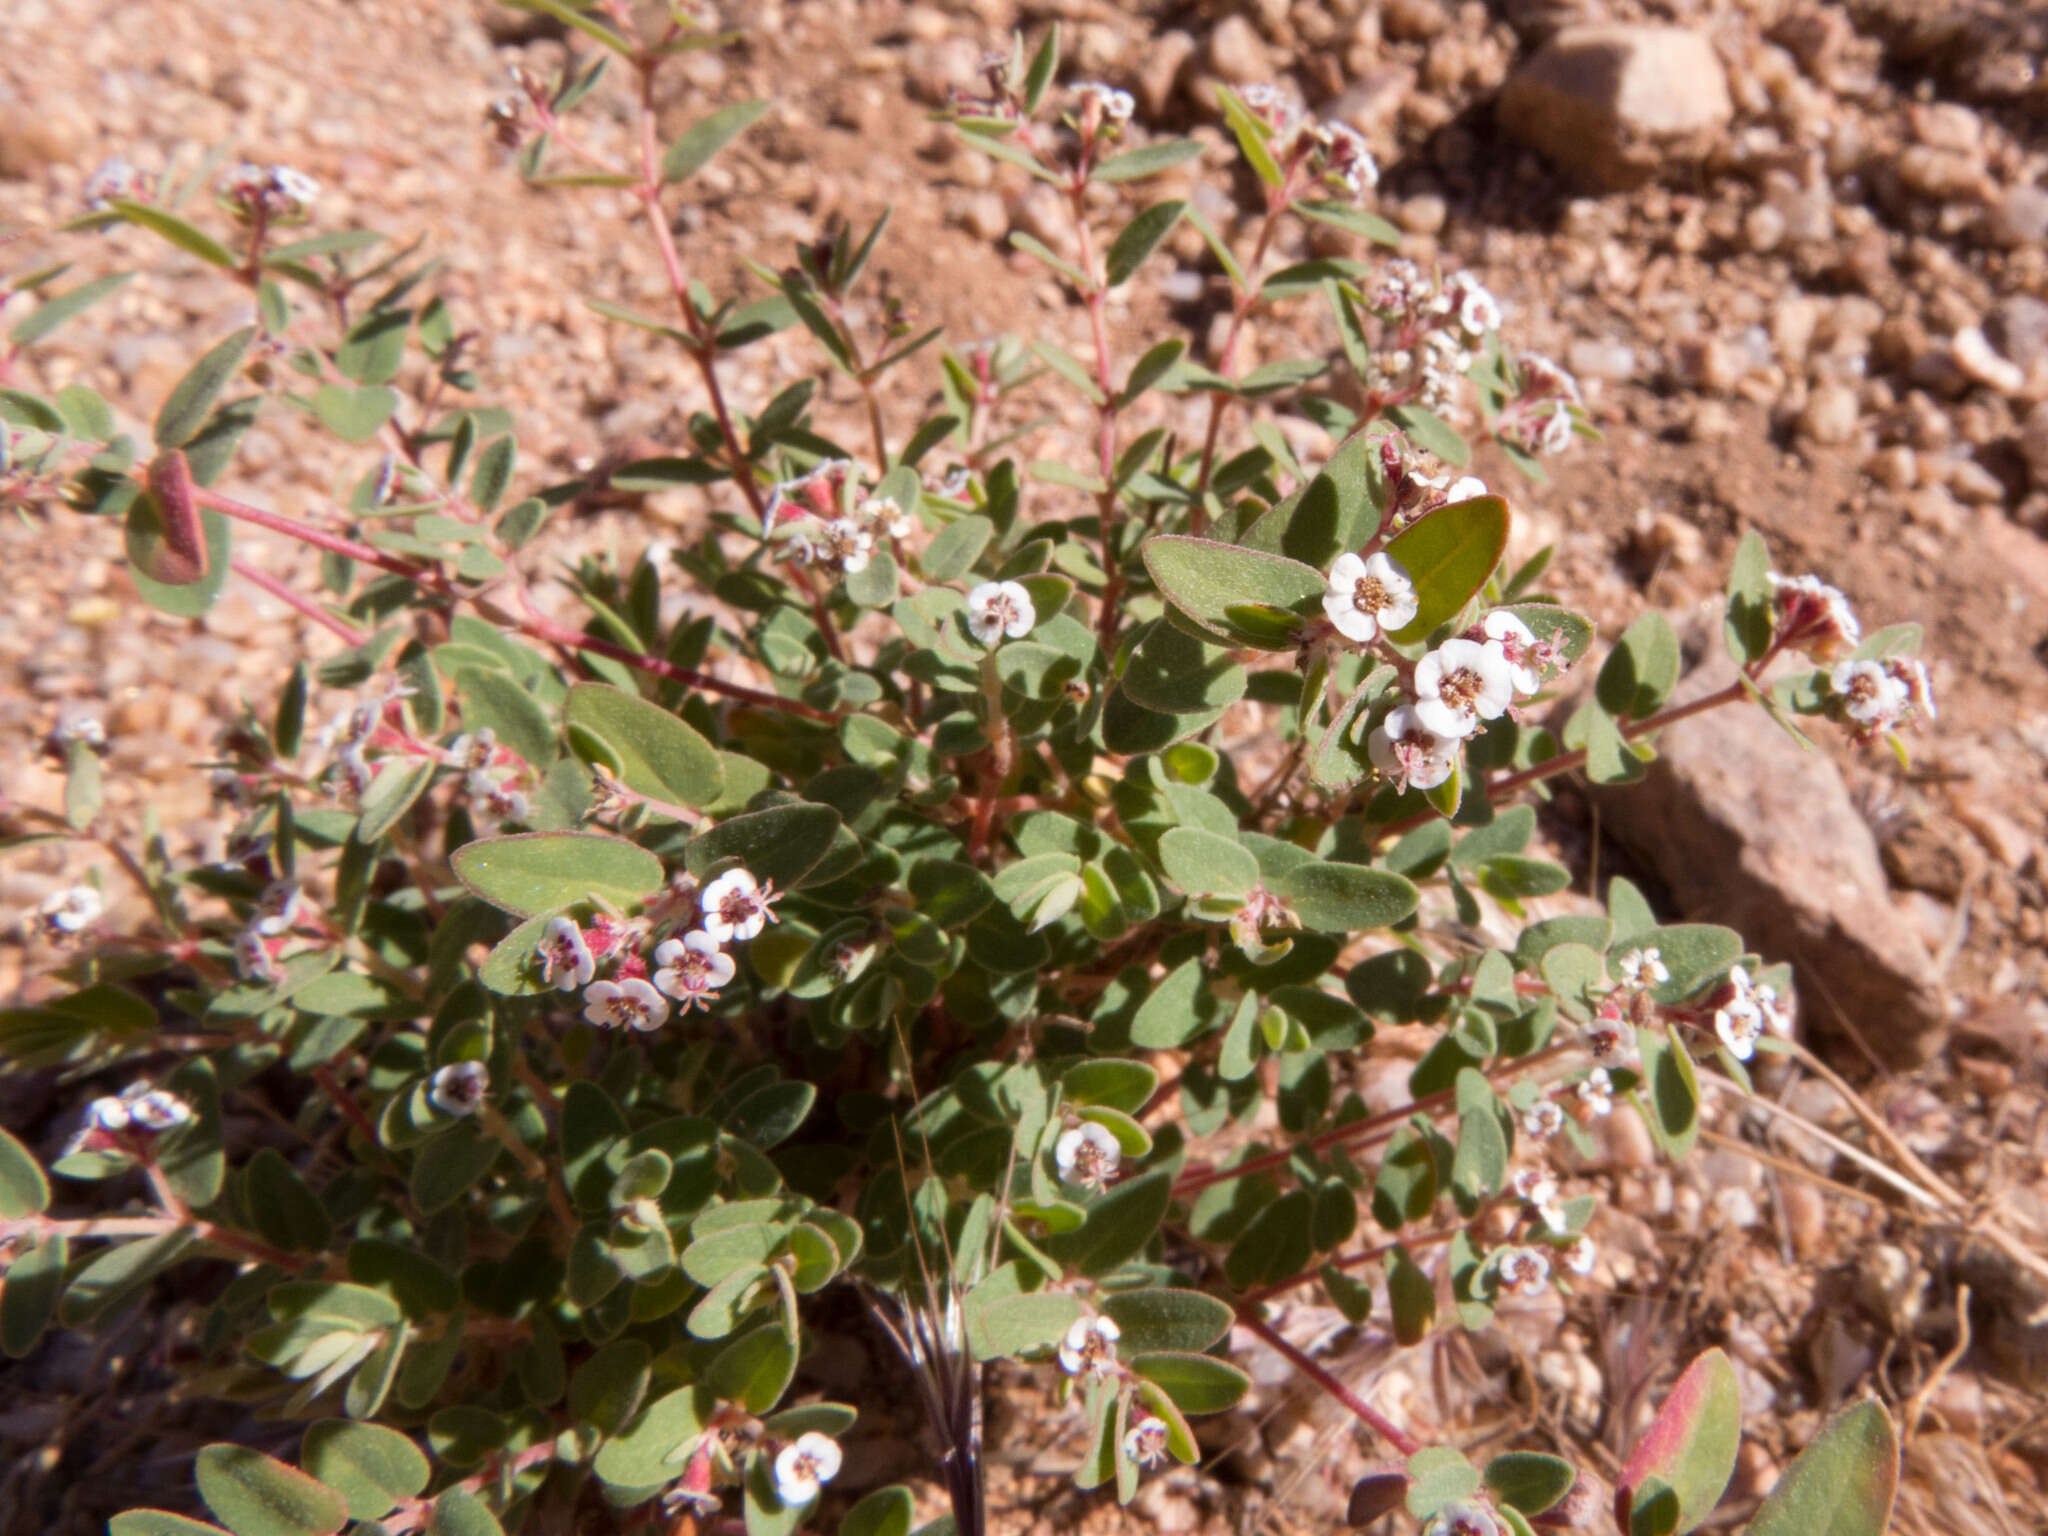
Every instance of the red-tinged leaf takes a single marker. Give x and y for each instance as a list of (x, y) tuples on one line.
[(1691, 1444), (182, 557), (1840, 1485)]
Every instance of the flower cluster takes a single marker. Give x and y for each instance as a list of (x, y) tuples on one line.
[(804, 1465), (489, 774), (130, 1122), (269, 194), (1433, 331), (1744, 1009), (690, 967), (1813, 617), (1454, 689), (820, 519), (1874, 697), (460, 1087), (1331, 152), (114, 181), (1546, 407)]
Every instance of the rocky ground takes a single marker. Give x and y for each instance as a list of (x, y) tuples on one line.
[(1794, 250)]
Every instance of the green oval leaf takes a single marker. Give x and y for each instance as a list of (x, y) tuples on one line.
[(783, 843), (653, 752), (537, 872), (1015, 1325), (1180, 1322), (372, 1467), (24, 1189), (1842, 1484), (1449, 555), (1205, 580), (1345, 898), (707, 136), (257, 1495), (1139, 239), (1196, 1383), (1119, 1225)]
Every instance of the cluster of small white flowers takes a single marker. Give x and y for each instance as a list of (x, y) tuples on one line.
[(1435, 329), (1543, 414), (488, 774), (1880, 696), (1089, 1348), (115, 179), (460, 1087), (804, 1465), (66, 914), (1455, 688), (1610, 1033), (1335, 152), (269, 192), (139, 1111), (691, 968), (1746, 1009), (808, 517), (350, 733), (1087, 1155), (1000, 610), (1115, 106)]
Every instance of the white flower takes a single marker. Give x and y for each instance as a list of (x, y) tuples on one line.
[(564, 958), (1517, 645), (253, 960), (1912, 672), (624, 1004), (1409, 753), (1537, 1188), (473, 750), (356, 772), (294, 186), (1872, 696), (1145, 1441), (1542, 1120), (896, 522), (1478, 313), (1087, 1154), (801, 1466), (278, 908), (156, 1109), (1349, 161), (70, 911), (850, 544), (1596, 1092), (996, 609), (693, 968), (459, 1088), (1739, 1022), (1459, 684), (1465, 488), (1366, 597), (1642, 968), (1523, 1271), (107, 1114), (1117, 105), (1579, 1255), (1610, 1032), (1090, 1347), (735, 906)]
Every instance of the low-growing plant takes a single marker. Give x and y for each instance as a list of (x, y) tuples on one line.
[(891, 919)]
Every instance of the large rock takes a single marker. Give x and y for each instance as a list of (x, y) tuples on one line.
[(1748, 829), (1615, 104)]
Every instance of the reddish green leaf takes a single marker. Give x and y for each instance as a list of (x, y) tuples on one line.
[(1691, 1444), (1840, 1485)]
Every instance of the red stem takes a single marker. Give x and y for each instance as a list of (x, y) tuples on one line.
[(349, 634), (1363, 1411), (306, 533)]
